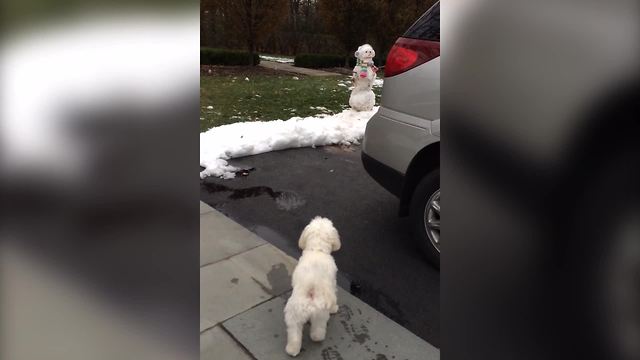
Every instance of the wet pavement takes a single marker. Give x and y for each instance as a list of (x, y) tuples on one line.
[(355, 332), (281, 191)]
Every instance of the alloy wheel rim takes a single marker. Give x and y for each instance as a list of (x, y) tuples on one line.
[(432, 219)]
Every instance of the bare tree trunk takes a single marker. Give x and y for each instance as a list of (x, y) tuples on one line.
[(294, 13), (251, 48), (349, 33), (249, 12)]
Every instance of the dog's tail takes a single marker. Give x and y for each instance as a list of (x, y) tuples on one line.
[(322, 296)]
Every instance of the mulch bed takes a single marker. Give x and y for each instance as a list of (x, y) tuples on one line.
[(340, 70), (217, 70)]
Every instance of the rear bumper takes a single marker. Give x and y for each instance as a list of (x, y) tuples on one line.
[(389, 178)]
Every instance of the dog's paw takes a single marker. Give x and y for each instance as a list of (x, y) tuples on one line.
[(292, 349), (317, 335), (334, 309)]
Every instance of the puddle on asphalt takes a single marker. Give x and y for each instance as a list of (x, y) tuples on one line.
[(284, 200), (244, 172), (372, 296), (288, 201), (337, 149)]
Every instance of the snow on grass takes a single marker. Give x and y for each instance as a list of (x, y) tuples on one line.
[(282, 60), (321, 108), (222, 143)]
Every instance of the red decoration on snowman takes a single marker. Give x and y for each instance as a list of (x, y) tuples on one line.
[(364, 66)]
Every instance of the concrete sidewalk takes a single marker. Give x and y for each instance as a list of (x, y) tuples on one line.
[(295, 70), (244, 284)]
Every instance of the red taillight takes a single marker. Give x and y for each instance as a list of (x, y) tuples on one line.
[(408, 53)]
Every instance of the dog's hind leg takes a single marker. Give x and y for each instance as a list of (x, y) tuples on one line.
[(319, 325), (294, 336), (334, 301), (334, 308)]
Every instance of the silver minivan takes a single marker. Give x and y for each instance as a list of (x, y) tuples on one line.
[(401, 146)]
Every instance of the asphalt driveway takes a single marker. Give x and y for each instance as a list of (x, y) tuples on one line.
[(378, 262)]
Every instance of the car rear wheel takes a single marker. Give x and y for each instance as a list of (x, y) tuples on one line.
[(425, 216)]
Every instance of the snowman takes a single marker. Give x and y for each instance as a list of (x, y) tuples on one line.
[(364, 73)]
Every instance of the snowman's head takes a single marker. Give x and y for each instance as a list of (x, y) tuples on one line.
[(365, 52)]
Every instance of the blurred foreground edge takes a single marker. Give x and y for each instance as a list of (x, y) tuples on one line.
[(541, 180), (99, 187)]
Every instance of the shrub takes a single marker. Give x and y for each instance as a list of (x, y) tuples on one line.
[(319, 60), (329, 61), (209, 56)]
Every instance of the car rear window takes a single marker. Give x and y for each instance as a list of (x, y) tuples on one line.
[(427, 27)]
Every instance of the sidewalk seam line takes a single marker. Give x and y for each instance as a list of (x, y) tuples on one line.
[(237, 342), (230, 256), (244, 311)]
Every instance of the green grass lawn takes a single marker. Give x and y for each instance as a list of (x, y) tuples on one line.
[(228, 98)]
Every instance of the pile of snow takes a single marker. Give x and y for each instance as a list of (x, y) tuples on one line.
[(281, 60), (226, 142)]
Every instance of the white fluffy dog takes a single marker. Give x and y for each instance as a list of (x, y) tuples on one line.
[(314, 284), (364, 73)]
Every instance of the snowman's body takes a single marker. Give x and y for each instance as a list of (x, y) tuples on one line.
[(364, 73)]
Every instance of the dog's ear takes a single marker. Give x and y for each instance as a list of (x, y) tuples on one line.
[(357, 53), (335, 245), (302, 242)]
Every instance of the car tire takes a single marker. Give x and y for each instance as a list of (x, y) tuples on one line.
[(428, 189)]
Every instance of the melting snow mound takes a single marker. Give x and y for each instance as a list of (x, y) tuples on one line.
[(282, 60), (222, 143)]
